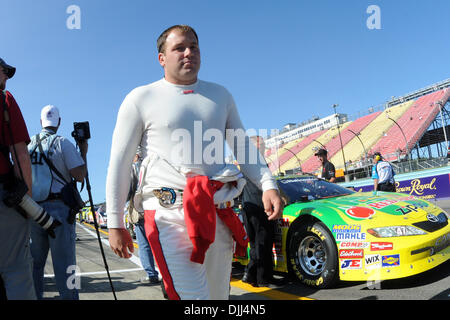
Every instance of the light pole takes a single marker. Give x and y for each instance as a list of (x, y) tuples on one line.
[(319, 143), (364, 148), (340, 138), (298, 161), (440, 104), (406, 141)]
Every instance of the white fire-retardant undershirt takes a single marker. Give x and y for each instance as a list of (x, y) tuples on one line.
[(152, 116)]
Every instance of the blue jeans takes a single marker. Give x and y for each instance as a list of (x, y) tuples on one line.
[(62, 248), (145, 252), (15, 257)]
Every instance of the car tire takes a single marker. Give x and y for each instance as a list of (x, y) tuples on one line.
[(312, 255)]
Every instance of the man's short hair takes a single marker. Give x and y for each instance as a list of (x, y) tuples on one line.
[(162, 38)]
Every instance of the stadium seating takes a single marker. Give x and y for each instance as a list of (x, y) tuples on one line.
[(281, 149), (309, 150), (353, 150), (414, 123), (276, 164), (379, 132), (334, 145)]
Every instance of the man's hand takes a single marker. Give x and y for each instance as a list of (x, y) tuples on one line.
[(272, 204), (120, 242)]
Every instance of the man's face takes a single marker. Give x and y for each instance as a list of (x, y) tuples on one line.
[(322, 158), (180, 58), (3, 78)]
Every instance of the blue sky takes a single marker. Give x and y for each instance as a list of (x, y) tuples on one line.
[(283, 61)]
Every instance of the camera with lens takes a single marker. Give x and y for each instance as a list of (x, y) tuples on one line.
[(81, 131), (16, 197)]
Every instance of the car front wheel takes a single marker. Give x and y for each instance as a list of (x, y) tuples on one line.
[(313, 255)]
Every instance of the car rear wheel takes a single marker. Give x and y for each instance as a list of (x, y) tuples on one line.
[(313, 255)]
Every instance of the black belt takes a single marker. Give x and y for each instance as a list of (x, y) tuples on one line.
[(54, 196)]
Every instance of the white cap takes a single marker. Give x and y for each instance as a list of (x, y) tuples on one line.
[(49, 116)]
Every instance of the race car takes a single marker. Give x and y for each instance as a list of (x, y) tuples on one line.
[(331, 233), (100, 215)]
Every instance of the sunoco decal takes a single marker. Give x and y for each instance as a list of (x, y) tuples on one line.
[(392, 260)]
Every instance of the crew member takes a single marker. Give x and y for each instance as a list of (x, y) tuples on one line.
[(328, 170), (382, 174), (15, 257), (259, 270), (167, 118), (47, 192)]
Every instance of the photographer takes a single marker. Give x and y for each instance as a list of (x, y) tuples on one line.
[(15, 258), (63, 156)]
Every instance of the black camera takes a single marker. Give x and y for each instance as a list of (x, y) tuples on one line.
[(16, 197), (81, 131)]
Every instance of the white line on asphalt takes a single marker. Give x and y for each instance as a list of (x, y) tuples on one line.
[(133, 258), (98, 272)]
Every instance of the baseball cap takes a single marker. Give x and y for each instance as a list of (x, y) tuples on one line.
[(49, 116), (10, 70), (321, 152)]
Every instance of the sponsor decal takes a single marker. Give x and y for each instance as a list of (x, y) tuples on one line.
[(351, 236), (360, 212), (417, 186), (354, 244), (392, 260), (372, 261), (346, 228), (388, 202), (377, 246), (441, 243), (426, 188), (351, 264), (348, 232), (351, 253)]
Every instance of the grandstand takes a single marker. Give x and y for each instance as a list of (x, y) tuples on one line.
[(376, 129), (333, 146), (414, 121)]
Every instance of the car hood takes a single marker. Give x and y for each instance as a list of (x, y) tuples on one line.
[(363, 208)]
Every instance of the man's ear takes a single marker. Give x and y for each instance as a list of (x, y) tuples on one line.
[(162, 59)]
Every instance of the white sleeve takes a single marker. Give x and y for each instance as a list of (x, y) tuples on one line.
[(126, 137), (252, 165)]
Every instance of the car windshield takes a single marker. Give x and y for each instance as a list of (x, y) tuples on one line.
[(299, 189)]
